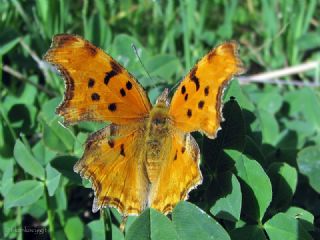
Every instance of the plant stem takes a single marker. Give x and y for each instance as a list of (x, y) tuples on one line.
[(50, 216), (19, 223)]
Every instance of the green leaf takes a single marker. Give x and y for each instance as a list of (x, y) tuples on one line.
[(270, 101), (55, 136), (193, 223), (308, 162), (7, 179), (52, 179), (79, 144), (228, 207), (95, 230), (6, 47), (64, 164), (305, 218), (116, 233), (283, 226), (234, 90), (151, 224), (163, 66), (27, 161), (24, 193), (284, 180), (248, 232), (43, 154), (269, 126), (74, 228), (254, 179), (8, 228), (231, 136)]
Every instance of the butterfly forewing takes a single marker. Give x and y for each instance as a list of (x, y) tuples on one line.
[(112, 161), (196, 103), (97, 87)]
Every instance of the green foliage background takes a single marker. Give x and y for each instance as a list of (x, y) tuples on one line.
[(261, 174)]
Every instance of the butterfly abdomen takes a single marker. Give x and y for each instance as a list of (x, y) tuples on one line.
[(156, 140)]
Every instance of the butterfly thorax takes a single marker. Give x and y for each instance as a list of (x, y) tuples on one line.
[(158, 128)]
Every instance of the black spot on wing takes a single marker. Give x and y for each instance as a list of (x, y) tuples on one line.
[(90, 83), (95, 97), (200, 104), (206, 91), (189, 113), (111, 143), (183, 89), (112, 107), (122, 150), (129, 85), (108, 76), (122, 92), (194, 78)]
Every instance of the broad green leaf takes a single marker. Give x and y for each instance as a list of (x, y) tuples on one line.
[(283, 226), (228, 207), (163, 66), (154, 93), (231, 136), (305, 101), (303, 216), (22, 117), (123, 52), (43, 154), (37, 209), (24, 193), (116, 233), (8, 228), (55, 135), (6, 47), (270, 100), (74, 228), (269, 127), (309, 40), (60, 198), (284, 180), (52, 179), (79, 144), (256, 187), (7, 179), (27, 161), (234, 90), (308, 162), (151, 224), (248, 232), (95, 230), (193, 223), (64, 164)]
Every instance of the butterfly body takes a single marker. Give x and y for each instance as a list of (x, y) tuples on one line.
[(146, 157), (157, 137)]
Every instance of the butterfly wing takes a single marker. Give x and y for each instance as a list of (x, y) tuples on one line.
[(180, 173), (196, 103), (112, 161), (97, 87)]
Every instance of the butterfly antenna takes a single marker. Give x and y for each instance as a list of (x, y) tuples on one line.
[(174, 87), (144, 68)]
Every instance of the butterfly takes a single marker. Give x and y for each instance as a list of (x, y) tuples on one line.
[(146, 157)]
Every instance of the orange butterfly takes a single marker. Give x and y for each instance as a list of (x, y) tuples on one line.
[(146, 157)]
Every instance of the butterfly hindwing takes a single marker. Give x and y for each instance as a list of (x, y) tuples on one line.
[(112, 161), (179, 174), (196, 104), (97, 87)]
